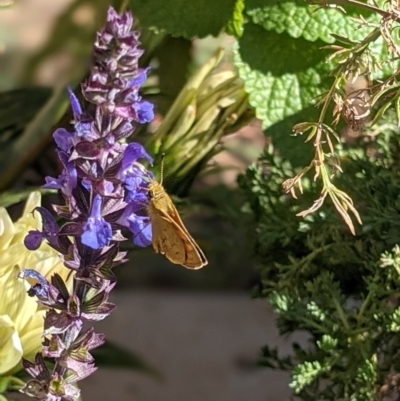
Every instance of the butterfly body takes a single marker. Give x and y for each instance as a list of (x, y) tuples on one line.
[(169, 235)]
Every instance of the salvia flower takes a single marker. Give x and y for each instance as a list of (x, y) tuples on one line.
[(21, 318), (104, 186)]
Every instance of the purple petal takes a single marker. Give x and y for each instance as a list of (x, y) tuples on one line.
[(50, 225), (84, 129), (141, 229), (97, 231), (87, 184), (54, 183), (139, 80), (144, 112), (63, 139), (67, 181), (41, 289), (132, 153), (50, 231), (33, 240)]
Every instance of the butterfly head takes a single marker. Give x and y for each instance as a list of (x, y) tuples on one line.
[(155, 190)]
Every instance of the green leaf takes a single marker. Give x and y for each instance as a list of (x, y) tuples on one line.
[(17, 108), (281, 74), (304, 374), (23, 144), (13, 197), (290, 147), (112, 355), (235, 25), (327, 343), (185, 18), (10, 384), (300, 19)]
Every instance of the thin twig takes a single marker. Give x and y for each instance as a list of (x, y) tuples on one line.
[(361, 5)]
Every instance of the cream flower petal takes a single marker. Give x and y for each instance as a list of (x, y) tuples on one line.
[(16, 254), (50, 265), (14, 300), (39, 260), (34, 200), (7, 229), (10, 345), (29, 220), (31, 335)]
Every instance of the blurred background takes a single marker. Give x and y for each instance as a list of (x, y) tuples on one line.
[(195, 335)]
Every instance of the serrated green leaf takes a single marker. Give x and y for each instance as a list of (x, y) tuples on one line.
[(197, 18), (281, 74), (299, 19)]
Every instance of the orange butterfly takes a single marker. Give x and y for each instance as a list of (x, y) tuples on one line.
[(170, 236)]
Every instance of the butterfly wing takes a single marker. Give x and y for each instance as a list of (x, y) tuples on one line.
[(171, 239), (166, 241)]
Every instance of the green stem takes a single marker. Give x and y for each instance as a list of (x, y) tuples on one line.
[(364, 305), (328, 100), (341, 314), (317, 326)]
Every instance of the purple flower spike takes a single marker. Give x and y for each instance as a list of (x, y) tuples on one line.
[(97, 232), (104, 187)]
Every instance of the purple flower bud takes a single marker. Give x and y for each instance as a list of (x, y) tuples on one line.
[(76, 107)]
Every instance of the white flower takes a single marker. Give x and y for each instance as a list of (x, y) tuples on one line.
[(21, 318)]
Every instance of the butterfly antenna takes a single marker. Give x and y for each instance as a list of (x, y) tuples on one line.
[(162, 168)]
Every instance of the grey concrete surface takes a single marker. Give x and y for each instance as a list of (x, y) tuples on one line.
[(204, 344)]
